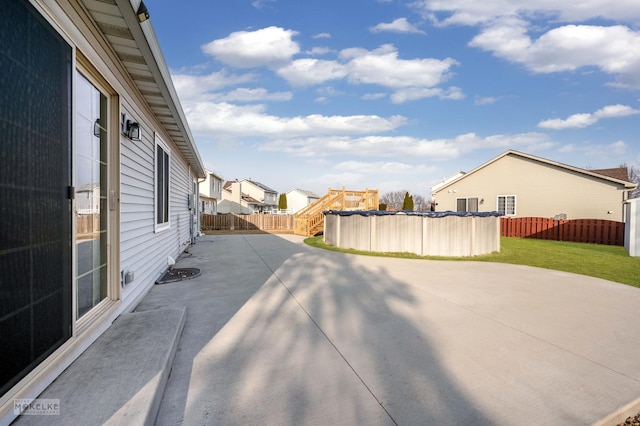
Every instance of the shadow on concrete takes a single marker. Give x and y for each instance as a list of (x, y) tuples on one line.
[(279, 333)]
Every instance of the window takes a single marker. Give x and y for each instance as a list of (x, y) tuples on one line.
[(467, 204), (162, 185), (507, 204), (91, 162)]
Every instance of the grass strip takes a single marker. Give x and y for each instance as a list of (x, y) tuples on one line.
[(611, 263)]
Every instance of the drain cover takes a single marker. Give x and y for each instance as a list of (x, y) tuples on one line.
[(178, 274)]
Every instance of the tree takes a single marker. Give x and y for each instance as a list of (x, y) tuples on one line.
[(407, 204), (393, 199), (382, 207), (282, 202), (420, 204), (634, 176)]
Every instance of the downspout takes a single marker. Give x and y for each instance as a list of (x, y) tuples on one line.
[(198, 203)]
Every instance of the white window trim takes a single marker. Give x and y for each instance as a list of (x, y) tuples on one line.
[(515, 204), (467, 202), (159, 227)]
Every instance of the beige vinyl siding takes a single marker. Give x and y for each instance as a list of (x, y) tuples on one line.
[(541, 190)]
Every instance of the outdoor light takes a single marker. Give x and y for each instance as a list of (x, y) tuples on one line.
[(130, 128), (143, 13)]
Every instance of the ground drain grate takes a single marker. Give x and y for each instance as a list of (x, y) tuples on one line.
[(178, 274)]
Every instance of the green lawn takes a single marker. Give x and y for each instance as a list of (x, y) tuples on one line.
[(609, 262)]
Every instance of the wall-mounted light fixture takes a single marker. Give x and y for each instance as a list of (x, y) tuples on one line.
[(130, 128), (143, 13)]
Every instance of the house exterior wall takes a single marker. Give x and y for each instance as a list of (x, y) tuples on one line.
[(541, 190), (254, 191), (211, 188), (215, 187), (143, 250), (135, 245), (297, 200), (208, 205)]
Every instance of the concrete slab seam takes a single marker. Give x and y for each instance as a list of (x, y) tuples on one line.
[(325, 335)]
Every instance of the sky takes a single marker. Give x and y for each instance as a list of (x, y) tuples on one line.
[(398, 95)]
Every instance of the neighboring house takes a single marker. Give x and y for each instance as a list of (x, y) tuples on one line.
[(210, 193), (297, 199), (523, 185), (88, 199), (91, 123), (446, 181), (247, 197)]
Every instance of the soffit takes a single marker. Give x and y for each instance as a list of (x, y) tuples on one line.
[(137, 48)]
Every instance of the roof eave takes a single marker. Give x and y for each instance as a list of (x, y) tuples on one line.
[(147, 44), (627, 185)]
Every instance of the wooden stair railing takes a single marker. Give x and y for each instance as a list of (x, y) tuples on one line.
[(310, 220)]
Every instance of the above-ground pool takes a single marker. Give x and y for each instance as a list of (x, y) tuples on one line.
[(422, 233)]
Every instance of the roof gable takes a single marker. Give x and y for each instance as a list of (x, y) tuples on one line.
[(305, 193), (620, 173), (261, 186), (592, 173)]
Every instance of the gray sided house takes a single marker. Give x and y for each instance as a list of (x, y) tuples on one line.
[(523, 185), (210, 193), (247, 197), (98, 179), (298, 199)]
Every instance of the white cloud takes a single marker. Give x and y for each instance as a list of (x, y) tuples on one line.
[(259, 4), (383, 67), (412, 78), (225, 119), (602, 153), (400, 25), (317, 51), (321, 35), (415, 93), (465, 12), (506, 24), (485, 100), (611, 49), (304, 72), (373, 96), (197, 87), (404, 147), (577, 121), (384, 167), (252, 95), (269, 46), (274, 48)]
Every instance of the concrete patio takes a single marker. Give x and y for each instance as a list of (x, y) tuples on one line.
[(276, 332)]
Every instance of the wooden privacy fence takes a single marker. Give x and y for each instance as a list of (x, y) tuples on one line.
[(263, 222), (576, 230), (87, 226)]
